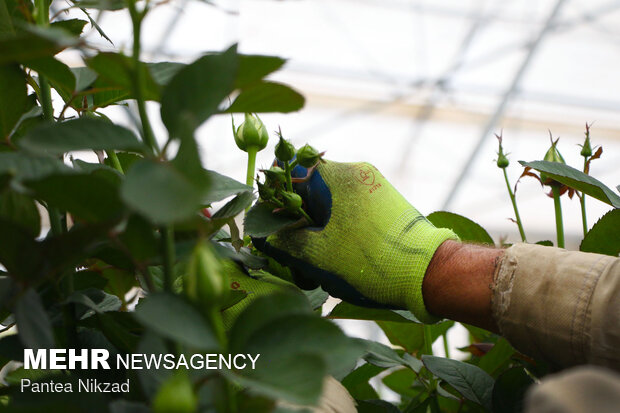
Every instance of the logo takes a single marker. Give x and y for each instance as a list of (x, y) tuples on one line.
[(365, 175)]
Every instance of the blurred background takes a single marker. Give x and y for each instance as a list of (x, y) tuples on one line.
[(418, 88)]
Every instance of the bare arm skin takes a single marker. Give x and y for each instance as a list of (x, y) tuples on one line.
[(458, 282)]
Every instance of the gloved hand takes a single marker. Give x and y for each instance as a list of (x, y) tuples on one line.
[(256, 285), (370, 246)]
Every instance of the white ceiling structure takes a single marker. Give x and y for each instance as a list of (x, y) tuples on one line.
[(419, 88)]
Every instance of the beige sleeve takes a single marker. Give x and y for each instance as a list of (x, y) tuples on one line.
[(561, 306)]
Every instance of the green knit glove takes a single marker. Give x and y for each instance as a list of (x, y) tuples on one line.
[(372, 247), (258, 284)]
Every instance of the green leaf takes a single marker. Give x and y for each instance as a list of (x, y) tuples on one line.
[(316, 297), (151, 379), (296, 378), (58, 73), (73, 26), (84, 77), (604, 237), (125, 158), (509, 390), (497, 358), (576, 179), (160, 192), (94, 24), (357, 384), (87, 196), (174, 318), (196, 91), (234, 207), (95, 301), (34, 42), (262, 311), (466, 229), (28, 167), (101, 4), (303, 334), (79, 134), (260, 221), (221, 186), (20, 209), (470, 381), (117, 69), (381, 355), (29, 119), (163, 72), (409, 336), (14, 98), (140, 238), (267, 97), (6, 22), (354, 312), (120, 328), (120, 282), (403, 381), (35, 328), (253, 68)]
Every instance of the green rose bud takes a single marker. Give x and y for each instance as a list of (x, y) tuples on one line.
[(265, 192), (274, 176), (586, 148), (502, 160), (552, 155), (291, 201), (251, 134), (307, 156), (285, 151), (205, 284)]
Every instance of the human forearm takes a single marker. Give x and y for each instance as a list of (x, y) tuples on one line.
[(458, 283), (561, 306)]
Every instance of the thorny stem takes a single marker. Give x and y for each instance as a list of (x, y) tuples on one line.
[(147, 131), (582, 199), (514, 206), (559, 226)]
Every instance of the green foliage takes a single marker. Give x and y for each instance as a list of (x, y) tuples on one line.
[(174, 318), (471, 381), (262, 221), (466, 229), (576, 179), (604, 237)]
